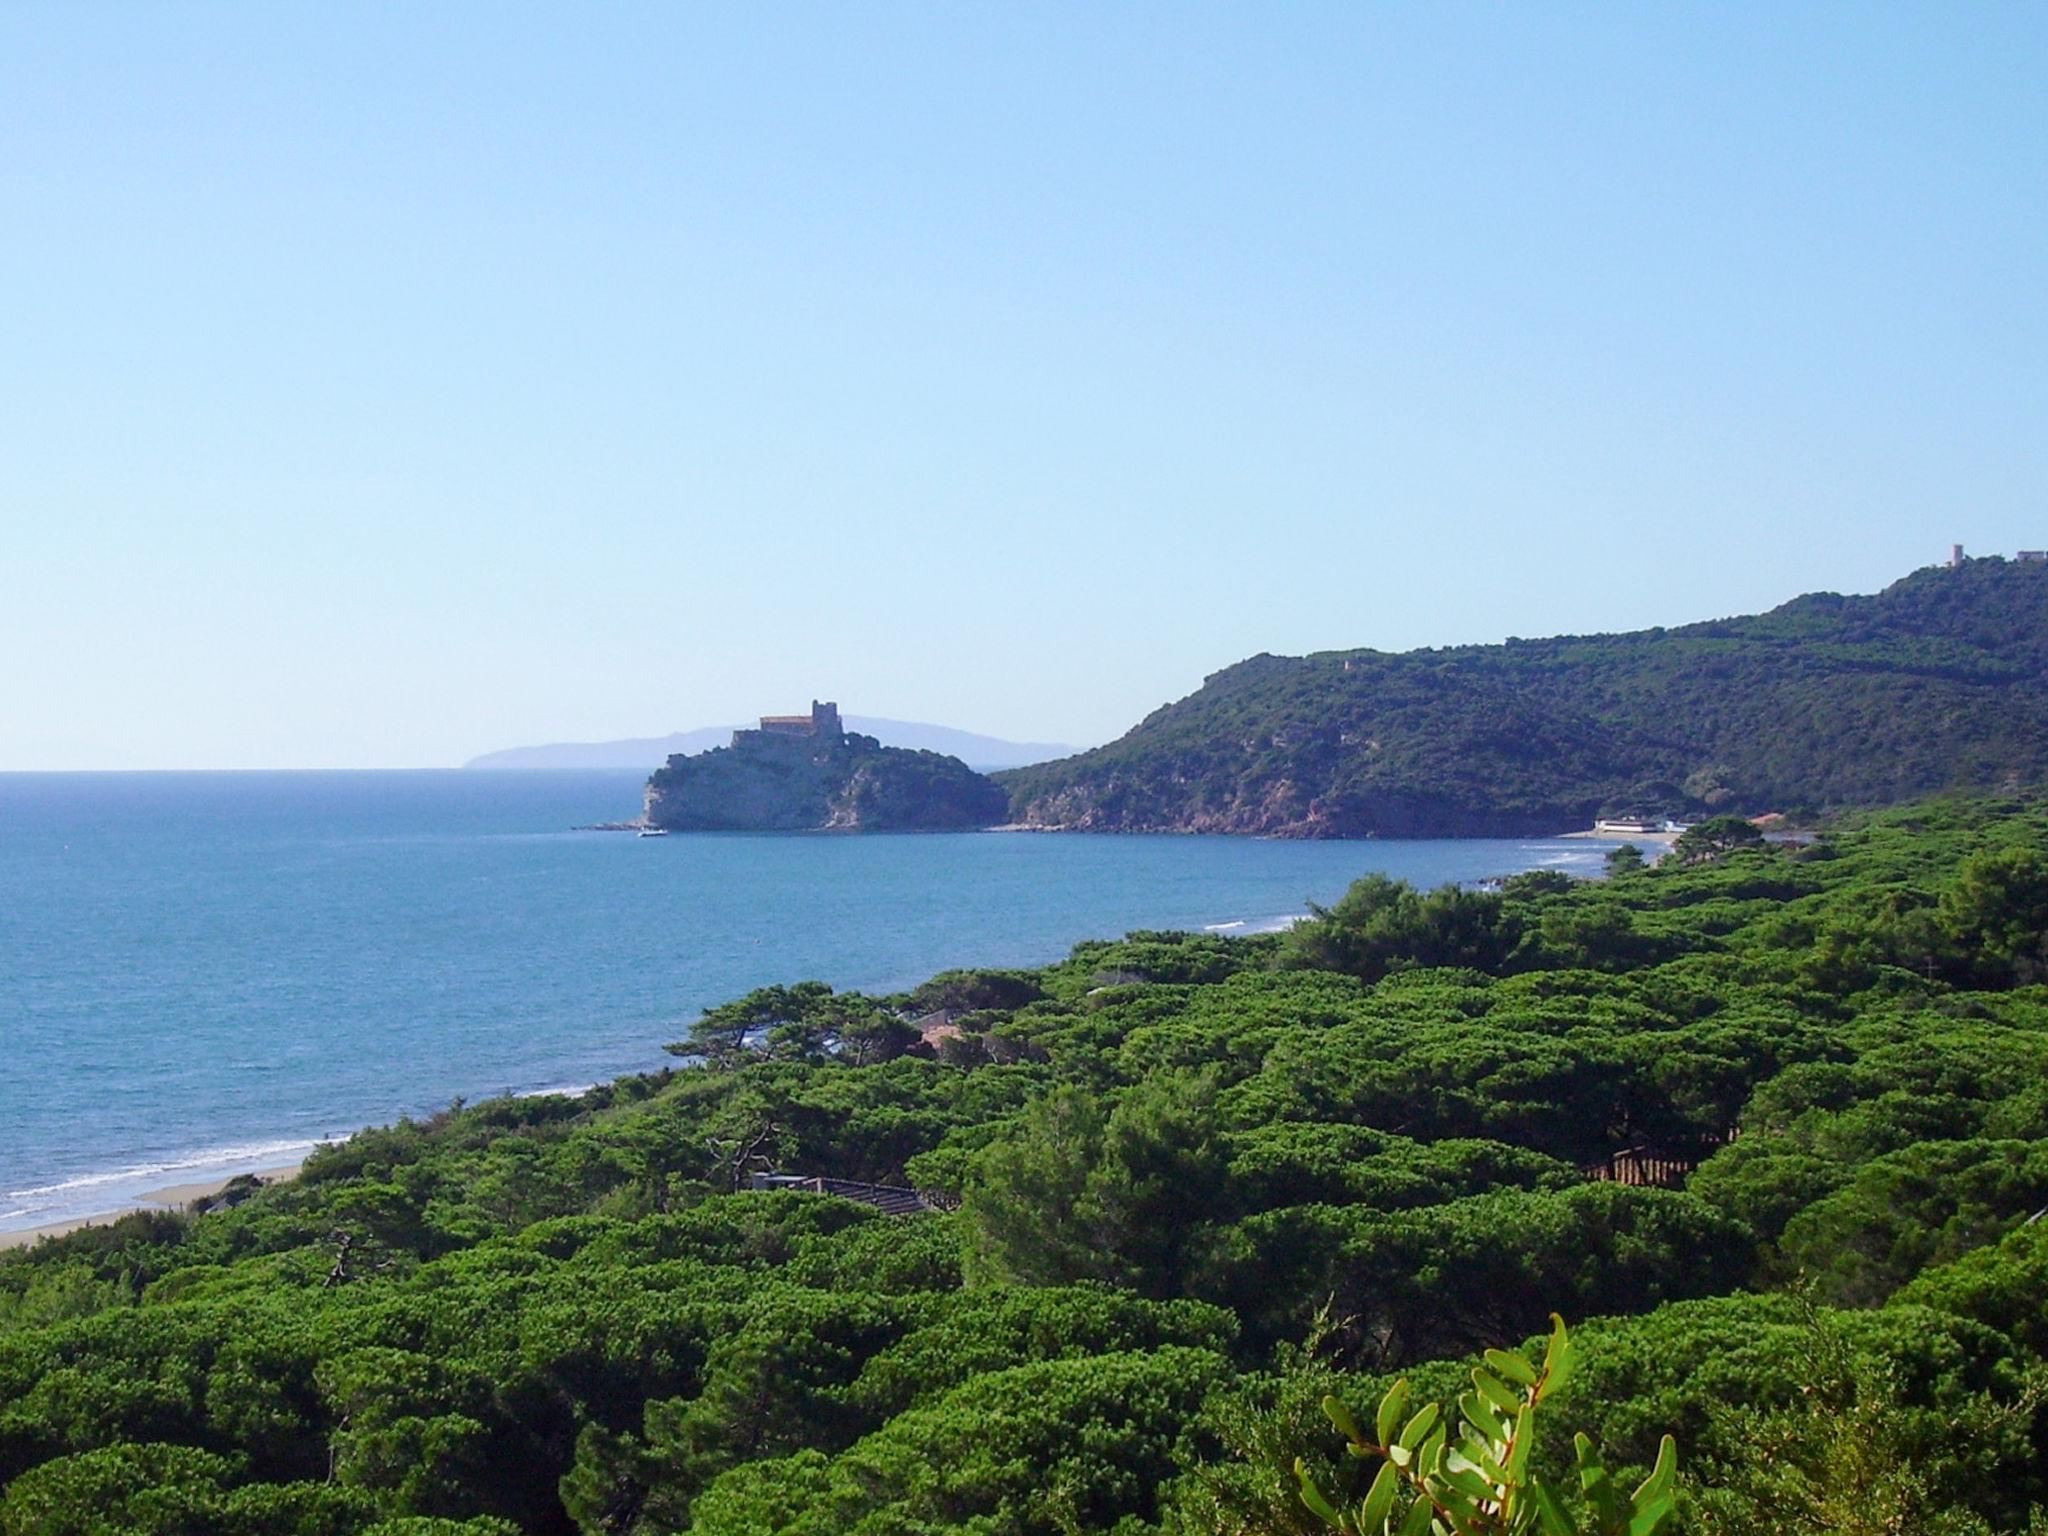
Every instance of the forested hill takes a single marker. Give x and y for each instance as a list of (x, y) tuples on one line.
[(1826, 702)]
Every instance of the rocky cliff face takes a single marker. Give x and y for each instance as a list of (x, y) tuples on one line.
[(1284, 809), (838, 782)]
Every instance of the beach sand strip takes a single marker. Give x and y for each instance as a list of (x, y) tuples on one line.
[(172, 1197)]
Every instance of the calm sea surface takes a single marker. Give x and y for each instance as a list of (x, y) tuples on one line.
[(207, 973)]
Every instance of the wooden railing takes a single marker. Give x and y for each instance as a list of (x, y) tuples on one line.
[(1644, 1167), (1658, 1167), (896, 1199)]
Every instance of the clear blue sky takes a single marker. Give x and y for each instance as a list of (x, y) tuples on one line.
[(380, 385)]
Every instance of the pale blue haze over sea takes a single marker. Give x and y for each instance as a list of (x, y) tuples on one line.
[(206, 973)]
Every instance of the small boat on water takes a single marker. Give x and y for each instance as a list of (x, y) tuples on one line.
[(654, 831)]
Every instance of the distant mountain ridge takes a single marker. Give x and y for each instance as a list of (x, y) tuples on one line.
[(1938, 682), (984, 754)]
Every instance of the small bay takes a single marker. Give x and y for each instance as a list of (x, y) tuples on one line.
[(207, 973)]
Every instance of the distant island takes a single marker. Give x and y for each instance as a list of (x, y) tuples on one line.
[(1939, 682), (808, 773), (984, 754)]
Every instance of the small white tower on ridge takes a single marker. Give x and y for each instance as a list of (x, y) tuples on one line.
[(1955, 556)]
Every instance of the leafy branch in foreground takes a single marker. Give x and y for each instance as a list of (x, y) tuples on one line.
[(1480, 1483)]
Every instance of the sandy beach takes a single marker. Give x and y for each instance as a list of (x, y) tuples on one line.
[(171, 1197)]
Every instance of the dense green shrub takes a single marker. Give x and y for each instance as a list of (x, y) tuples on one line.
[(1175, 1152)]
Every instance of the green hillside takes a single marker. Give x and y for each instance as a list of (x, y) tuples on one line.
[(1939, 682), (1200, 1182)]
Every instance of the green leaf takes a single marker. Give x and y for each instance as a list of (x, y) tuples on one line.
[(1467, 1482), (1525, 1440), (1557, 1357), (1430, 1454), (1648, 1517), (1391, 1407), (1512, 1364), (1416, 1428), (1598, 1486), (1372, 1514), (1416, 1521), (1550, 1514), (1656, 1497), (1312, 1496), (1662, 1476), (1340, 1416), (1482, 1457), (1479, 1416), (1496, 1392)]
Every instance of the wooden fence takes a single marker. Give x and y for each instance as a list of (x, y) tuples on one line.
[(1655, 1167), (893, 1198)]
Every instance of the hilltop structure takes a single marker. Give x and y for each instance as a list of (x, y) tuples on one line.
[(822, 721), (808, 773), (1957, 559)]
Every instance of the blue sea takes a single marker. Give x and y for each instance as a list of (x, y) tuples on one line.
[(209, 973)]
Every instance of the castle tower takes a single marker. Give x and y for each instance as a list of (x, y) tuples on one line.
[(1955, 557)]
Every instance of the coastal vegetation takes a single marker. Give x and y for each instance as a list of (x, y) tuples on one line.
[(1765, 1124), (1827, 702)]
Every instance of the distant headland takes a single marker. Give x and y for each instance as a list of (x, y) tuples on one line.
[(984, 754), (809, 773), (1823, 704)]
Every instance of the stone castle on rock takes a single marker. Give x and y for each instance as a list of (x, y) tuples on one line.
[(821, 723), (798, 773)]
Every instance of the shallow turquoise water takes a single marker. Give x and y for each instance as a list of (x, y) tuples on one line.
[(207, 973)]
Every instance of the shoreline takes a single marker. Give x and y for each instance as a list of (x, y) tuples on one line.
[(1666, 839), (53, 1210), (176, 1197), (171, 1197)]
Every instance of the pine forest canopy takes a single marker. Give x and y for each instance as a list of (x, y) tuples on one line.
[(1768, 1125)]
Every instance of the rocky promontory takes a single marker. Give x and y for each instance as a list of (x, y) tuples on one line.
[(800, 773)]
